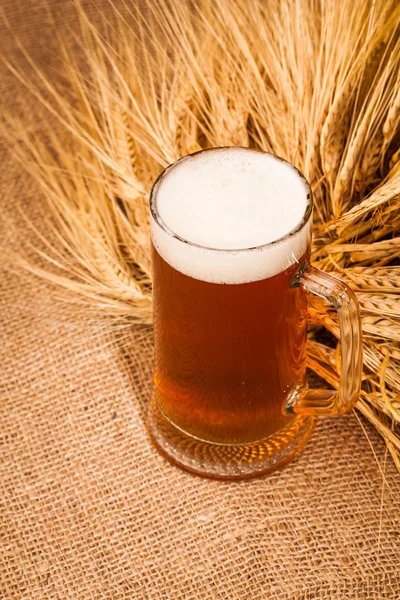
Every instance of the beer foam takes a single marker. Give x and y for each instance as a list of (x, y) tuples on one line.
[(220, 215)]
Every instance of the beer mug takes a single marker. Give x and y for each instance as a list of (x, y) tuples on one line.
[(231, 241)]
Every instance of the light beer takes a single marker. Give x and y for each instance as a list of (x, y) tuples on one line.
[(229, 231)]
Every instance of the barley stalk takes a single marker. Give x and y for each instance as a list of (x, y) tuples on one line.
[(373, 279)]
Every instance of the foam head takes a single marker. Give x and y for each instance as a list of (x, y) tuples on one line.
[(224, 215)]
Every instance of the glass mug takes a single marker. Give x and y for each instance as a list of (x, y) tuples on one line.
[(230, 396)]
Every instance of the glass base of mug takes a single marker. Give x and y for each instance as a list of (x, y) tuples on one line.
[(219, 461)]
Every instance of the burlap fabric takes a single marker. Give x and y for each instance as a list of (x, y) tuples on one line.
[(89, 510)]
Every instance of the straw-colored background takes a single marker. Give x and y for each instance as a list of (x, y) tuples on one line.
[(87, 507)]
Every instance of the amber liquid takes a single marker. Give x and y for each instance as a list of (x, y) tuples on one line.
[(227, 355)]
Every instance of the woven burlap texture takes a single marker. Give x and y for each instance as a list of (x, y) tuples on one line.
[(89, 510)]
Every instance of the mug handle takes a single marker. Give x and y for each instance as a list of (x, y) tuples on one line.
[(316, 402)]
